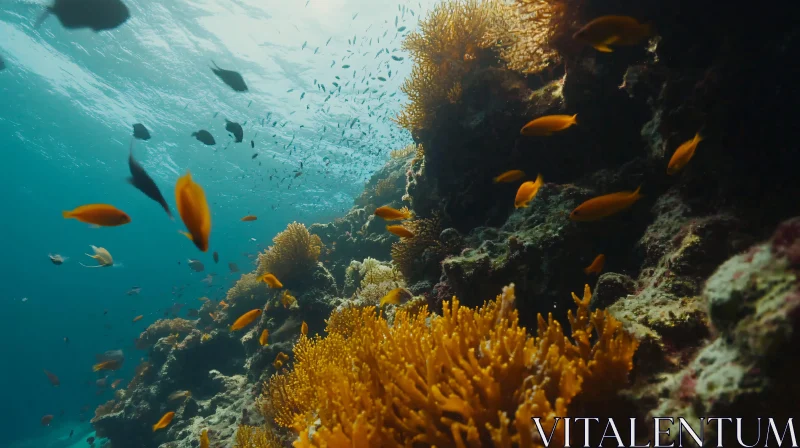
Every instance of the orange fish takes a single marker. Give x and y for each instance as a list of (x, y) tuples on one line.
[(102, 215), (605, 31), (400, 231), (597, 265), (246, 319), (53, 378), (509, 176), (115, 383), (138, 318), (279, 360), (288, 300), (683, 154), (112, 364), (392, 214), (223, 304), (46, 420), (193, 208), (604, 206), (545, 126), (263, 338), (304, 328), (527, 191), (204, 442), (395, 296), (270, 280), (249, 218), (164, 422)]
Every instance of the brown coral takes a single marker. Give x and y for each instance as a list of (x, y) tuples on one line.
[(292, 256), (246, 287), (163, 328), (467, 378), (408, 252)]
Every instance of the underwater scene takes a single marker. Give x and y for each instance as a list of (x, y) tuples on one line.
[(399, 223)]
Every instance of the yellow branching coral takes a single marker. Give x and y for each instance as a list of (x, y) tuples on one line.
[(293, 254), (404, 152), (256, 437), (470, 378), (536, 29), (450, 43)]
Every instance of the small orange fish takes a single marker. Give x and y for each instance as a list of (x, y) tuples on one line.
[(605, 31), (193, 208), (46, 420), (604, 206), (53, 378), (279, 360), (115, 383), (204, 442), (164, 422), (597, 265), (222, 304), (249, 218), (509, 176), (103, 215), (246, 319), (288, 300), (545, 126), (270, 280), (213, 316), (138, 318), (400, 231), (527, 191), (263, 338), (392, 214), (683, 154), (395, 296), (304, 328), (107, 365)]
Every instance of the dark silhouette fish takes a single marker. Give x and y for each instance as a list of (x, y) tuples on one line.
[(2, 64), (235, 129), (98, 15), (204, 137), (144, 183), (233, 79), (141, 132), (216, 257)]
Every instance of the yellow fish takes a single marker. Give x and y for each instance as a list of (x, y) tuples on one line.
[(280, 360), (400, 231), (138, 318), (204, 442), (102, 256), (604, 206), (249, 218), (288, 300), (392, 214), (270, 280), (263, 338), (527, 191), (304, 328), (683, 154), (107, 365), (395, 296), (509, 176), (597, 265), (101, 215), (164, 422), (605, 31), (179, 394), (246, 319), (545, 126), (193, 208)]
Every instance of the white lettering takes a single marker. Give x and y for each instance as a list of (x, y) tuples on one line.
[(658, 431), (739, 433), (586, 428), (616, 436), (789, 426), (682, 423), (545, 440), (719, 427), (633, 436)]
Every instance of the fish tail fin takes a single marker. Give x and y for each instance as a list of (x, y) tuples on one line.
[(575, 119), (698, 137), (588, 270), (67, 214), (87, 266), (45, 14), (637, 193)]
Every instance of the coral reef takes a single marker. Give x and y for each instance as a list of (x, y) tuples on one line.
[(163, 328), (466, 378), (292, 256)]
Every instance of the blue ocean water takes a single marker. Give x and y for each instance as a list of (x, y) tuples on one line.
[(68, 99)]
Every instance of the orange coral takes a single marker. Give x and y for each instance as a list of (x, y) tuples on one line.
[(292, 256), (467, 378)]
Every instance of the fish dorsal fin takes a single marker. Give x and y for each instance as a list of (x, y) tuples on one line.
[(602, 48)]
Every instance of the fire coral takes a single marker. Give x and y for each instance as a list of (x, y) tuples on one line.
[(467, 378)]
